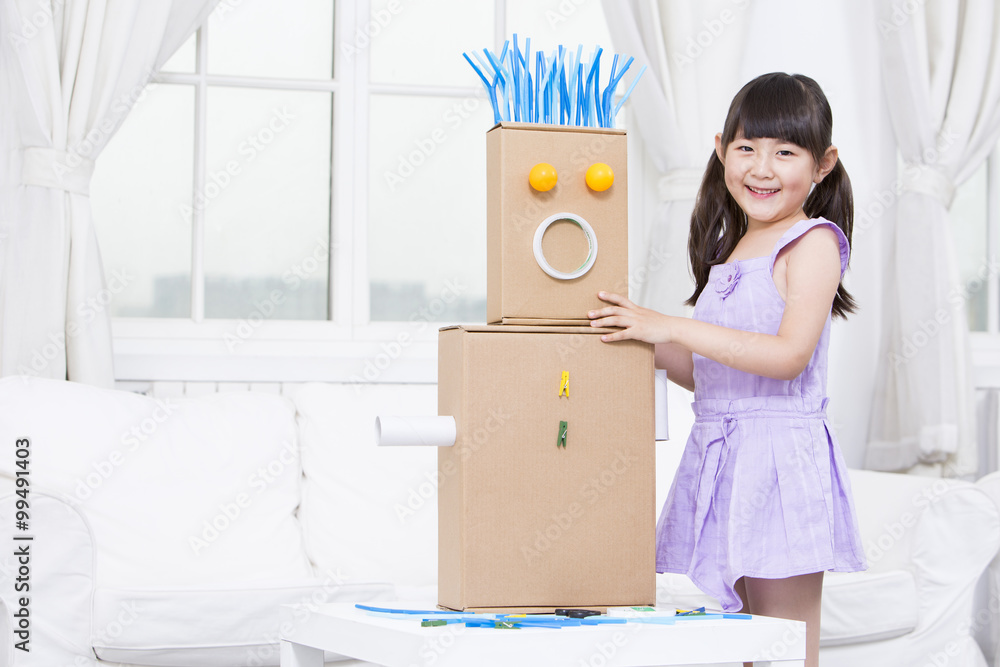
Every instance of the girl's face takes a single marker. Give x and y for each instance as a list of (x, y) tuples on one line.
[(771, 178)]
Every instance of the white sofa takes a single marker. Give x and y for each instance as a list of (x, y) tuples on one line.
[(168, 532), (986, 619), (928, 543)]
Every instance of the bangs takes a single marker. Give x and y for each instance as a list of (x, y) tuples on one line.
[(780, 106)]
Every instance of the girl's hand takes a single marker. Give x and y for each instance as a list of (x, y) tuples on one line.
[(637, 323)]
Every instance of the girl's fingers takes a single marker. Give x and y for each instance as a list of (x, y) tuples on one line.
[(613, 321), (622, 334), (623, 307), (632, 322), (603, 312), (614, 298), (604, 322), (622, 315)]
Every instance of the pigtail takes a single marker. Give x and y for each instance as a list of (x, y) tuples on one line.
[(832, 198), (717, 223)]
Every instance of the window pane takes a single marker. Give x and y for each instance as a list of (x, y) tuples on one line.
[(272, 39), (141, 199), (968, 224), (183, 59), (267, 204), (427, 208), (423, 42)]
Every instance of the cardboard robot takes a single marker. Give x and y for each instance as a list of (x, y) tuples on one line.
[(549, 431)]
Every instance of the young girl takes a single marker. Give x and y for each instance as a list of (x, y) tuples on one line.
[(761, 503)]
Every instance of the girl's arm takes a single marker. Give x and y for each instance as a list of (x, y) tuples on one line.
[(677, 361), (813, 275)]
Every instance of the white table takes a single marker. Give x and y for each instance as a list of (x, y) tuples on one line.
[(306, 631)]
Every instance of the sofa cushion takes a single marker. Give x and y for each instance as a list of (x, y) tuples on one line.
[(369, 511), (887, 528), (867, 606), (227, 625), (177, 491), (857, 606)]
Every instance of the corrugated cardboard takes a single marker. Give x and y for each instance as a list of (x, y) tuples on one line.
[(523, 523), (517, 288)]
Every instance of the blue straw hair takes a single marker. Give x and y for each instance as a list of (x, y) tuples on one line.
[(555, 89)]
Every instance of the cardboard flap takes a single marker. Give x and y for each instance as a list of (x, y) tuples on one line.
[(519, 328)]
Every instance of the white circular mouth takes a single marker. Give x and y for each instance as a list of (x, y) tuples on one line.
[(588, 231)]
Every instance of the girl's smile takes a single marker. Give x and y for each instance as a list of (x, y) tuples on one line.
[(770, 178)]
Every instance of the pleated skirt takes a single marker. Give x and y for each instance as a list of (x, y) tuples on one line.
[(761, 491)]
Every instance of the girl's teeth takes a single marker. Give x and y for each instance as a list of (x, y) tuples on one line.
[(761, 192)]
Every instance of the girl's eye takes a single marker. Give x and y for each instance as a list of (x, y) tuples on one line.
[(745, 149), (784, 152)]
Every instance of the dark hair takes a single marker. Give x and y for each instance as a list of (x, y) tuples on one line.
[(790, 107)]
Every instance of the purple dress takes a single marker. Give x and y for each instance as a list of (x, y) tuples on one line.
[(762, 489)]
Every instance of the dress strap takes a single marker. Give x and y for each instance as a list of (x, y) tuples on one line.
[(800, 228)]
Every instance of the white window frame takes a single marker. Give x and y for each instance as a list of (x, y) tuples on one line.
[(345, 348), (986, 344), (336, 349)]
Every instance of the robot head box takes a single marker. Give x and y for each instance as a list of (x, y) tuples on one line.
[(557, 187), (557, 221)]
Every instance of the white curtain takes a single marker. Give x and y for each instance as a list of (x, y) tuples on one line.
[(70, 71), (941, 68), (680, 104)]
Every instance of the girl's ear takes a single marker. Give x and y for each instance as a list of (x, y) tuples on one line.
[(826, 164), (720, 151)]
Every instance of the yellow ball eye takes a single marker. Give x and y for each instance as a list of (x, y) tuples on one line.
[(543, 177), (600, 177)]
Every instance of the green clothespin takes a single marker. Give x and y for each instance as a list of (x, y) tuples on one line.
[(563, 428)]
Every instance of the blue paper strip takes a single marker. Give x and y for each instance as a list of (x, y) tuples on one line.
[(604, 620)]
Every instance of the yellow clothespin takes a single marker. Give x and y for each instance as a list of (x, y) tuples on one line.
[(564, 384)]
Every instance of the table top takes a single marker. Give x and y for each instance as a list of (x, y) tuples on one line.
[(343, 628)]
